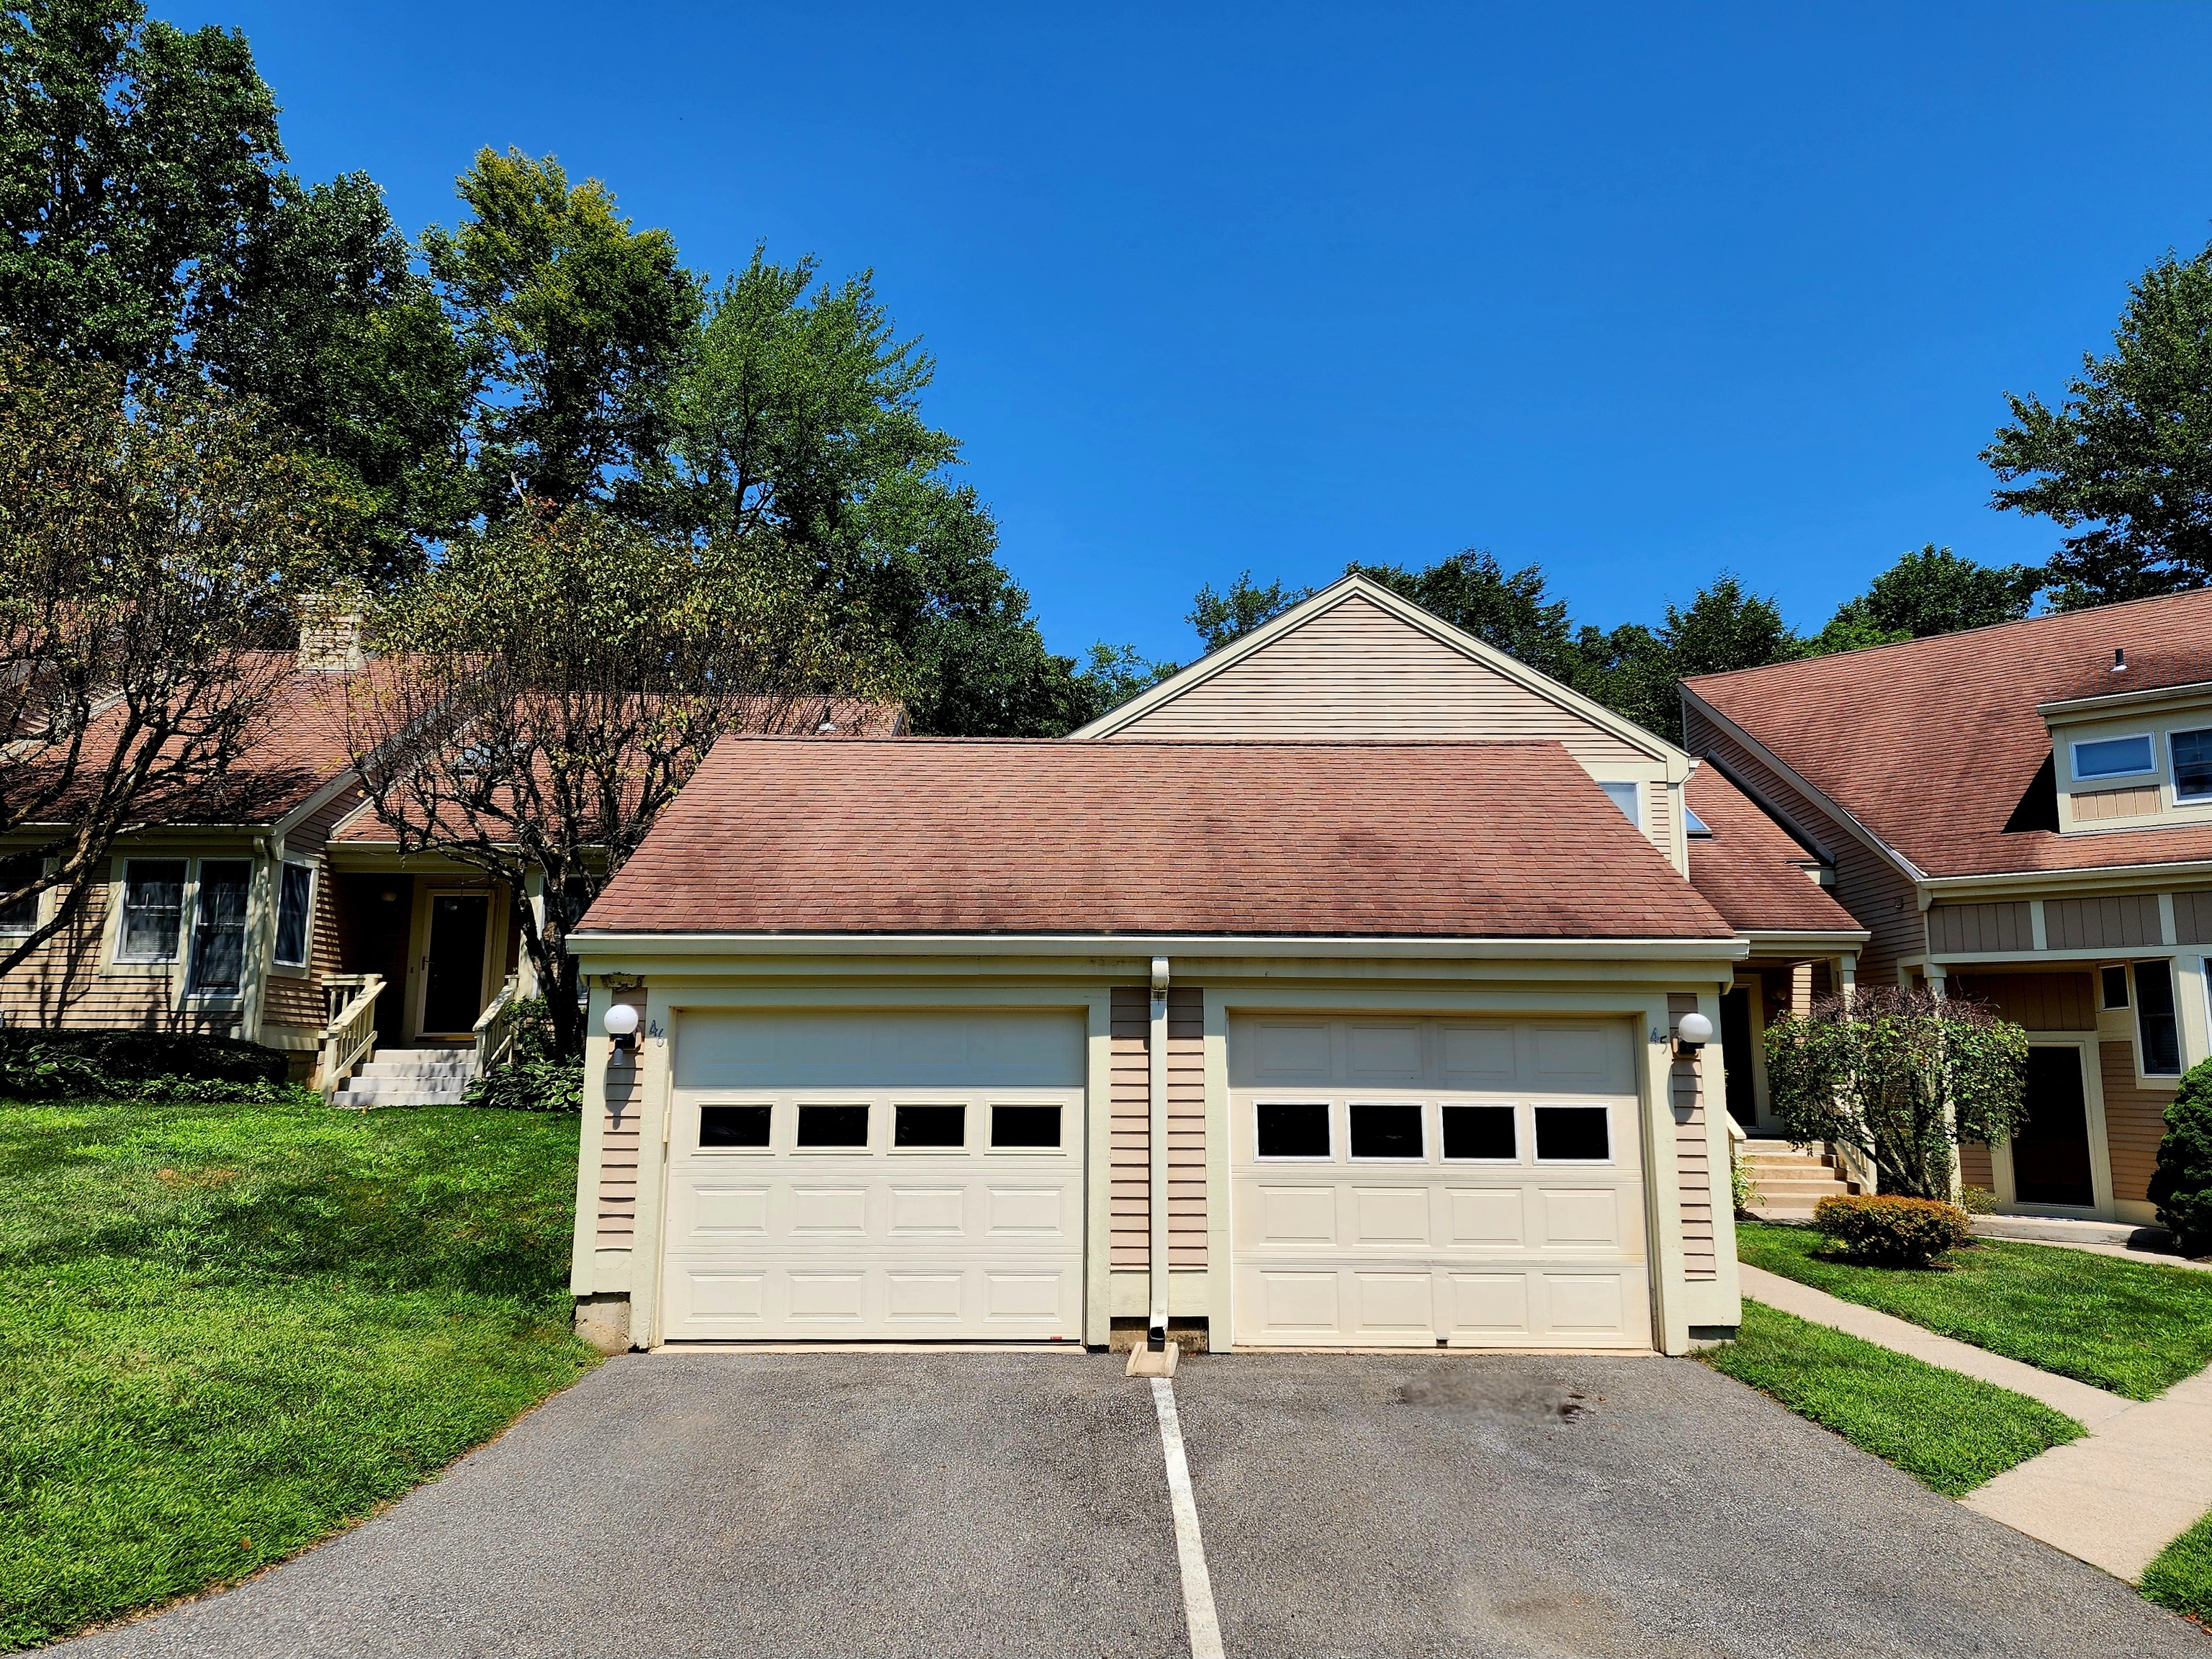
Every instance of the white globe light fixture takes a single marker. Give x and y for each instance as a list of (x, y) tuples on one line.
[(621, 1023), (1692, 1033)]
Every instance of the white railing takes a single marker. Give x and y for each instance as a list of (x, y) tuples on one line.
[(494, 1028), (350, 1035)]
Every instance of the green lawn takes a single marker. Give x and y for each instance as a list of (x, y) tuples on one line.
[(227, 1331), (2134, 1328), (1948, 1431), (2181, 1578)]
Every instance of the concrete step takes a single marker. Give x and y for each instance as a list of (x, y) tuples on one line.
[(2065, 1230), (1807, 1192)]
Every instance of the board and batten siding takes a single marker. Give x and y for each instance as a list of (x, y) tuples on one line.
[(2115, 921), (1955, 929), (1694, 1168), (2192, 918), (616, 1228), (1875, 892), (1129, 1205), (2036, 1002), (2091, 805), (2134, 1120)]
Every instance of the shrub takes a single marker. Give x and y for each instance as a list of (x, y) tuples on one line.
[(2181, 1186), (535, 1077), (1977, 1200), (134, 1065), (1892, 1232), (1743, 1191)]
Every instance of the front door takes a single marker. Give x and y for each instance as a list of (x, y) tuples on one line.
[(2050, 1153), (452, 977), (1736, 1057)]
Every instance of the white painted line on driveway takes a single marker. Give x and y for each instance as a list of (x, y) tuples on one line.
[(1190, 1548)]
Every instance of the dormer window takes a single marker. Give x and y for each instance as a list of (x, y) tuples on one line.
[(2192, 765), (2114, 757), (1697, 826), (1629, 798)]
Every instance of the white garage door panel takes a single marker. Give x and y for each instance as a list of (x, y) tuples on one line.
[(881, 1240), (1334, 1250)]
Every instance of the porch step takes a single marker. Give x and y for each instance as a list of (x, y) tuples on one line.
[(1792, 1181), (409, 1077)]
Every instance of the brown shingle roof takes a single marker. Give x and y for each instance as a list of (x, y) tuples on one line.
[(1745, 867), (1132, 837), (1933, 744)]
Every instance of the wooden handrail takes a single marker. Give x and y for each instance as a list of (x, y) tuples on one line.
[(493, 1031), (350, 1036)]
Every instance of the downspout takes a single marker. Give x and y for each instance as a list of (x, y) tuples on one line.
[(1156, 1324)]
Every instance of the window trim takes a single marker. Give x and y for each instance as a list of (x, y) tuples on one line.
[(1308, 1159), (277, 933), (1420, 1110), (39, 909), (1612, 1158), (2150, 769), (701, 1149), (2141, 1044), (2173, 761), (188, 937), (1634, 785), (187, 895), (1521, 1146)]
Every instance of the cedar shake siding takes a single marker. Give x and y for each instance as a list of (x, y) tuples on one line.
[(925, 835), (1130, 1107), (1882, 897)]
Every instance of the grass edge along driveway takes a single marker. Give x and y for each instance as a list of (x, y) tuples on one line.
[(227, 1332), (2134, 1328), (1948, 1431), (2181, 1578)]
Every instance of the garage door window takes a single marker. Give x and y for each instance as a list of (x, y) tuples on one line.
[(833, 1125), (733, 1126), (1572, 1135), (1386, 1131), (1484, 1132), (929, 1126), (1293, 1128), (1031, 1127)]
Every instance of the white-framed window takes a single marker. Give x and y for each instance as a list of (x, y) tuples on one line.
[(218, 964), (296, 912), (2158, 1031), (1697, 827), (153, 919), (2192, 764), (1292, 1129), (2115, 758), (19, 870), (1574, 1134), (1629, 798)]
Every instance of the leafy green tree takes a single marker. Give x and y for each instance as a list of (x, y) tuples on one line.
[(1928, 592), (2129, 453), (153, 551), (1903, 1075), (550, 686), (1221, 619), (1637, 671), (572, 324), (136, 163), (1472, 591), (333, 332), (1116, 673)]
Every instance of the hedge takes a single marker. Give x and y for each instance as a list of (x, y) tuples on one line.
[(2182, 1185), (136, 1064), (1892, 1232)]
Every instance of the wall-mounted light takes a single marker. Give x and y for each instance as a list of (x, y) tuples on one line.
[(621, 1023), (1692, 1033)]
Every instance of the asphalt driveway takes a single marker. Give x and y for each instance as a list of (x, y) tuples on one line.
[(1011, 1503)]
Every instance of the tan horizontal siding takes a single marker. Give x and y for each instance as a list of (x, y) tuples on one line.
[(2090, 805), (2135, 1120), (1880, 897), (2192, 918), (299, 999), (2117, 921), (1975, 1168), (61, 986), (1977, 927), (1693, 1171), (618, 1141), (2040, 1002), (1129, 1117), (1355, 670)]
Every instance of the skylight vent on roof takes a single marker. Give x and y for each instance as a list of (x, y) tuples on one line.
[(2119, 659)]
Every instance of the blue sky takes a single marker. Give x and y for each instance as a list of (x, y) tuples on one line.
[(1634, 293)]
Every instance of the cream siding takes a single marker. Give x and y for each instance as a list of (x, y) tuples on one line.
[(617, 1227), (1130, 1137), (1693, 1172)]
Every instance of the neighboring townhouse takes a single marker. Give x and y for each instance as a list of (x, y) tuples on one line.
[(278, 908), (2021, 814), (1326, 995)]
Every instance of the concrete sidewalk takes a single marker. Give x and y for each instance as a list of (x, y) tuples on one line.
[(2085, 1405), (2137, 1480)]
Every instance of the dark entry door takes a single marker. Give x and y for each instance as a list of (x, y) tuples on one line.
[(2051, 1155), (1736, 1057), (452, 982)]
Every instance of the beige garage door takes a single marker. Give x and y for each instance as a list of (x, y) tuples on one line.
[(1416, 1181), (849, 1177)]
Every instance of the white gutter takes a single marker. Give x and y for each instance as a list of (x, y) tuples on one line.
[(1155, 1325), (595, 944)]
